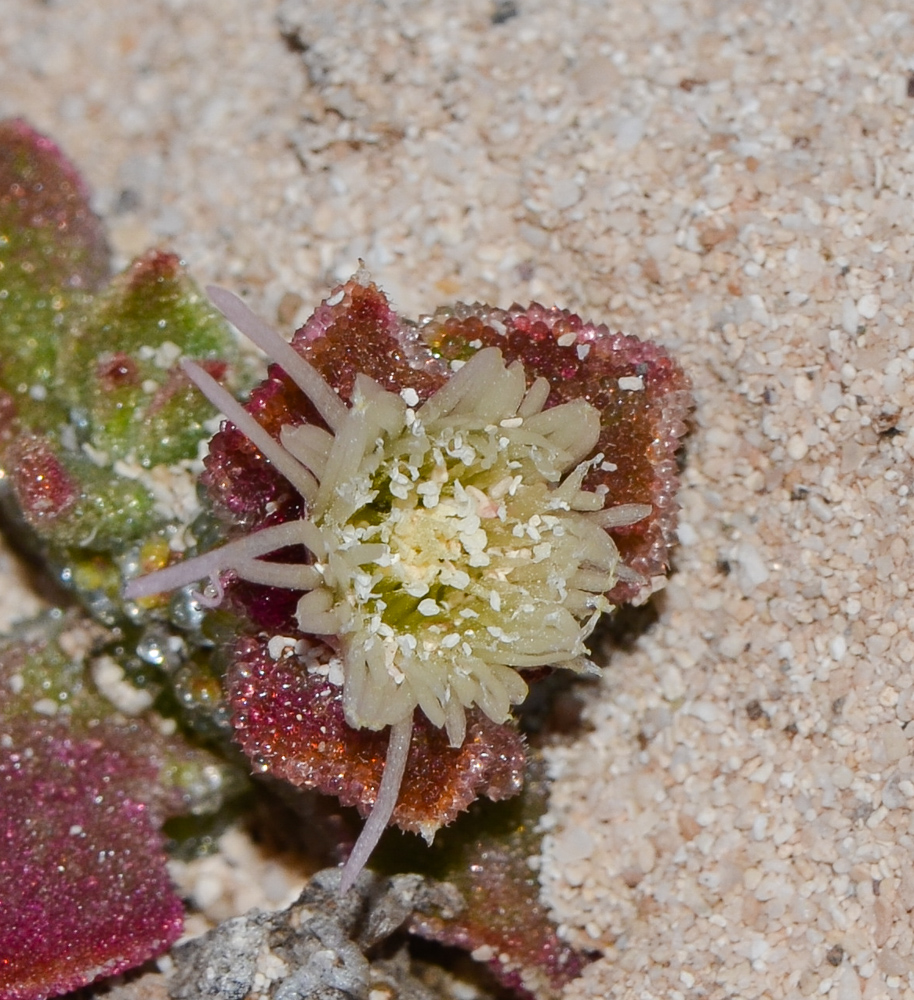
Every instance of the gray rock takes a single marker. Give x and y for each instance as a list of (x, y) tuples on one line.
[(316, 949)]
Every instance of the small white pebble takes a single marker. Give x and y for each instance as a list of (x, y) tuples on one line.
[(868, 305), (752, 571), (207, 890), (573, 844), (797, 447), (672, 686), (850, 318), (838, 647), (631, 383), (686, 533), (111, 682)]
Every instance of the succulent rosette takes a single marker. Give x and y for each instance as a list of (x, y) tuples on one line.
[(423, 517)]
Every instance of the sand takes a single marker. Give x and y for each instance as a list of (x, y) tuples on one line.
[(733, 180)]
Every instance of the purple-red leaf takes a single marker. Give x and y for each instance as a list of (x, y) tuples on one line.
[(83, 883), (504, 923), (290, 722), (84, 789)]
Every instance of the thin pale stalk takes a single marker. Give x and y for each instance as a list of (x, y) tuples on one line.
[(305, 375), (228, 556), (388, 792), (223, 400)]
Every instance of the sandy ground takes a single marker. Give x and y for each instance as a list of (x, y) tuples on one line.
[(733, 179)]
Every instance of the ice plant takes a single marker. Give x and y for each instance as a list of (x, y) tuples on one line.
[(421, 520), (448, 541)]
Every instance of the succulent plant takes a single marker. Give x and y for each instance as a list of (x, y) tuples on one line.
[(403, 527), (438, 524)]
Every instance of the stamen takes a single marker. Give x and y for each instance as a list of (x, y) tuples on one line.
[(309, 444), (305, 376), (317, 614), (628, 575), (388, 793), (296, 473), (573, 427)]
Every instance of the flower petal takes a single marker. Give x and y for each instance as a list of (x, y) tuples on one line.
[(640, 391), (353, 331)]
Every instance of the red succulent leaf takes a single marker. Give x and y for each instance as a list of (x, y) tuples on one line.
[(44, 489), (84, 789), (82, 872), (289, 720), (504, 921)]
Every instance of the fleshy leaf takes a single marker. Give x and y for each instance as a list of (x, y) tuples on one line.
[(83, 793), (119, 368), (486, 856), (82, 873), (52, 254), (100, 430), (140, 421), (289, 720)]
